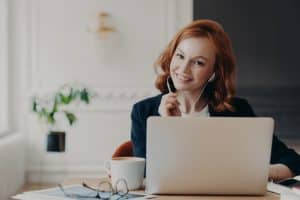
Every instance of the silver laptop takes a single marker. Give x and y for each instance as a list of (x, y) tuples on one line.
[(195, 155)]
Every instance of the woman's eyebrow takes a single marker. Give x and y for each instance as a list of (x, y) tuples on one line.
[(178, 49), (203, 57)]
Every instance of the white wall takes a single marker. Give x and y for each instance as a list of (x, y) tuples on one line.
[(12, 167), (4, 122), (52, 47)]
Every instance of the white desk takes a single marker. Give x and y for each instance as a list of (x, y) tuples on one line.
[(94, 182)]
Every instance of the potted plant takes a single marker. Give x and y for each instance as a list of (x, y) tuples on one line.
[(48, 107)]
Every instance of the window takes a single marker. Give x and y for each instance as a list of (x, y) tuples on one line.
[(3, 67)]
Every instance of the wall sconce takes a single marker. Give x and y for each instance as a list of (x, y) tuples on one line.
[(106, 35), (104, 30), (101, 28)]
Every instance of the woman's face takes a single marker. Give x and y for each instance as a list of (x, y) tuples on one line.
[(192, 64)]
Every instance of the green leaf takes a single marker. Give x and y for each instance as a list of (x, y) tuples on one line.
[(65, 99), (34, 106), (55, 106), (84, 96), (71, 117), (50, 118), (71, 95)]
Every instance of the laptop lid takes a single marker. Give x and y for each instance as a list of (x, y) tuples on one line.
[(195, 155)]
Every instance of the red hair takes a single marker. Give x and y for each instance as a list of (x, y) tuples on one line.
[(221, 90)]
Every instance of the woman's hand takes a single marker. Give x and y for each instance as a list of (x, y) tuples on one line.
[(169, 105), (279, 172)]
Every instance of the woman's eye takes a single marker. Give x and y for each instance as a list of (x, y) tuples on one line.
[(200, 63), (180, 56)]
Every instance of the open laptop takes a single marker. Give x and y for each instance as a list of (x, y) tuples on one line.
[(221, 155)]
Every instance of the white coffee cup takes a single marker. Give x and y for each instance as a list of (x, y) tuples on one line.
[(131, 169)]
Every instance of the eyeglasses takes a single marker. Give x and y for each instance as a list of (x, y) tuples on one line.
[(104, 191)]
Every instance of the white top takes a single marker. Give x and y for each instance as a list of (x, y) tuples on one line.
[(203, 113)]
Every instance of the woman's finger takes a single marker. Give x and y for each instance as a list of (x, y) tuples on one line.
[(172, 101), (171, 105), (169, 95)]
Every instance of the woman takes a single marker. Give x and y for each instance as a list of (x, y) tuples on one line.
[(198, 66)]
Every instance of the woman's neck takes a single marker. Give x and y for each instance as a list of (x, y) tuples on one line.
[(191, 101)]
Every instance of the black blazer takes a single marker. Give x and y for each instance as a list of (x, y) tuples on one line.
[(149, 107)]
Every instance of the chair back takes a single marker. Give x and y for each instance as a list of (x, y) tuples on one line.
[(124, 150)]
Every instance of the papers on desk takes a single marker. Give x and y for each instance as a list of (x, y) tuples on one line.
[(57, 194), (291, 190)]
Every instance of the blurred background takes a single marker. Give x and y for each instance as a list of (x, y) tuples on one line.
[(265, 38)]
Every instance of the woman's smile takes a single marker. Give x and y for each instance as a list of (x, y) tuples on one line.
[(183, 78)]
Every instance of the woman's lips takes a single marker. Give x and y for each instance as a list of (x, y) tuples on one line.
[(182, 77)]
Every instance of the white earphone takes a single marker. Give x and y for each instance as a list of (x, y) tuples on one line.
[(211, 78)]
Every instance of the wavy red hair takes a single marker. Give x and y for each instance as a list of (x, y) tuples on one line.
[(221, 90)]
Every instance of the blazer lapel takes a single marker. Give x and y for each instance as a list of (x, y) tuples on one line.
[(156, 105), (214, 113)]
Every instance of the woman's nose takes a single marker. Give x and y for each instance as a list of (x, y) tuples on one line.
[(184, 66)]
